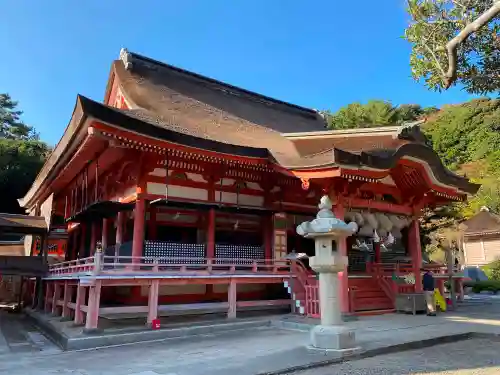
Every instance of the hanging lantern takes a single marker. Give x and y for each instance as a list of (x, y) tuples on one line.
[(305, 183)]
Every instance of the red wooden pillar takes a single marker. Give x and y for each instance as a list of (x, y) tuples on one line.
[(55, 298), (415, 250), (376, 248), (93, 306), (80, 301), (139, 229), (82, 240), (231, 298), (154, 288), (343, 276), (93, 237), (211, 234), (48, 295), (120, 219), (66, 312), (268, 238), (153, 301), (104, 235), (210, 244), (153, 230)]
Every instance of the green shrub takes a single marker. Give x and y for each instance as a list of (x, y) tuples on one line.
[(492, 270), (479, 286), (469, 283)]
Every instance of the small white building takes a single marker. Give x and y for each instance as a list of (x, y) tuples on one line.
[(481, 238)]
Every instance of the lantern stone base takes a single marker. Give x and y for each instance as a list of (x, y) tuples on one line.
[(335, 338)]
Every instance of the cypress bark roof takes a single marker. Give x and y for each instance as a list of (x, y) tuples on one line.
[(185, 108)]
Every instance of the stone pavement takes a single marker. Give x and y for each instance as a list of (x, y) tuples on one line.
[(470, 357), (261, 350)]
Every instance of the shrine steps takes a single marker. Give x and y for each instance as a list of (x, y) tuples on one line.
[(374, 312), (367, 296)]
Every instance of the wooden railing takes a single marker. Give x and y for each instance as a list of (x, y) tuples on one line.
[(72, 266), (117, 265), (385, 274)]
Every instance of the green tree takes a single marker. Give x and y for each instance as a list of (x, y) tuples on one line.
[(467, 138), (11, 126), (372, 114), (465, 133), (21, 155), (455, 41)]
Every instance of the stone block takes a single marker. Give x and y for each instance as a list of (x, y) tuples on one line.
[(333, 338)]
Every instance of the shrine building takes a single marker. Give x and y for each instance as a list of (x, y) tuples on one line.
[(193, 189)]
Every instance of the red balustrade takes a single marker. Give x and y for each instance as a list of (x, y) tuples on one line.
[(116, 265)]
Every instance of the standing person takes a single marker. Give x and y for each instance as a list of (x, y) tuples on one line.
[(428, 286)]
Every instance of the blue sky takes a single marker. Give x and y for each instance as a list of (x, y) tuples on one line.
[(321, 54)]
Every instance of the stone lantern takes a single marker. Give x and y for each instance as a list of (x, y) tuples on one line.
[(331, 334)]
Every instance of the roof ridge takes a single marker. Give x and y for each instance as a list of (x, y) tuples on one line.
[(128, 59)]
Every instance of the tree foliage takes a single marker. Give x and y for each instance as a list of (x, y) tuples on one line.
[(11, 126), (22, 155), (375, 113), (455, 41), (467, 139)]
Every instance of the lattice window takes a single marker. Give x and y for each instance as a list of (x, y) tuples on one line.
[(184, 253), (240, 252)]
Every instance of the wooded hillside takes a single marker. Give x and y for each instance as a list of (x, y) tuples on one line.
[(466, 137)]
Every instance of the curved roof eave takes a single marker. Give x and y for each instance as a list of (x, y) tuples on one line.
[(54, 160), (390, 158)]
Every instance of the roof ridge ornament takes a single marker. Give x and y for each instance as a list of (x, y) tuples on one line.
[(411, 131), (322, 116), (126, 58)]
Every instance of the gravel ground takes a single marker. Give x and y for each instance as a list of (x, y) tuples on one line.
[(472, 357)]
